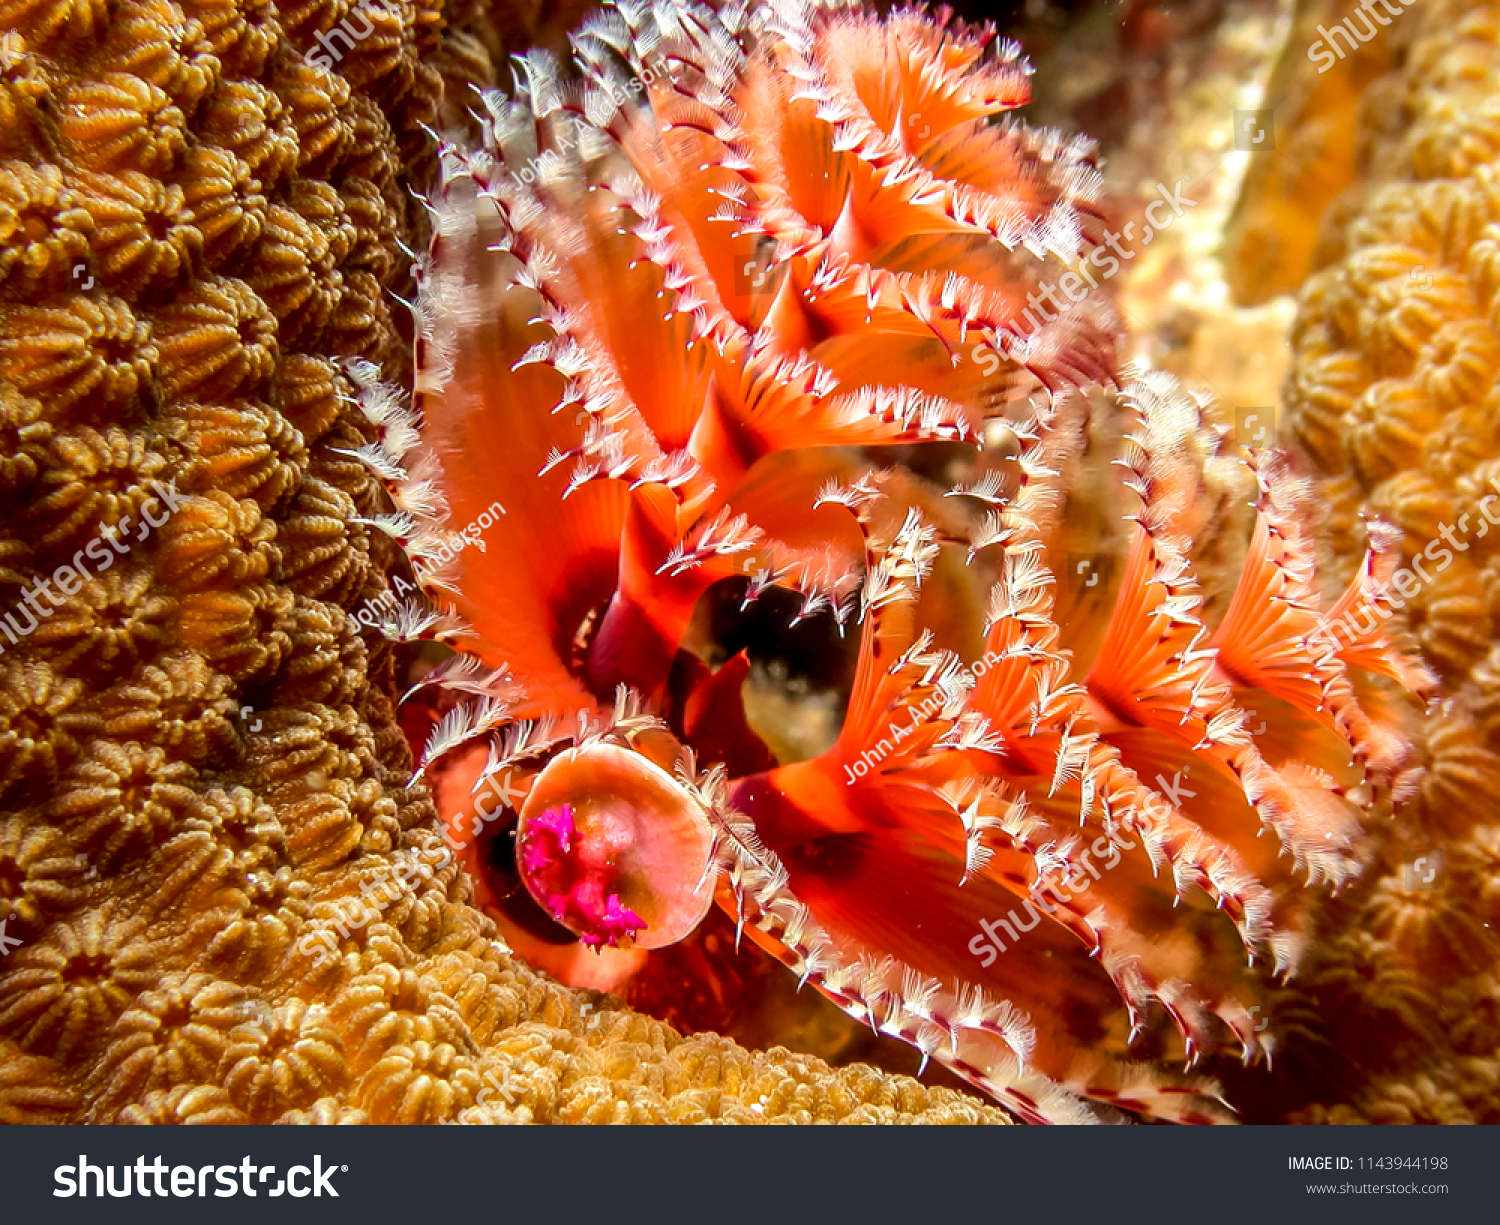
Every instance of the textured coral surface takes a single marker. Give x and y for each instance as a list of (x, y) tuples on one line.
[(202, 208), (1394, 391), (199, 760)]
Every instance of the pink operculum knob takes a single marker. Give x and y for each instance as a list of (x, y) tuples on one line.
[(572, 885), (615, 849)]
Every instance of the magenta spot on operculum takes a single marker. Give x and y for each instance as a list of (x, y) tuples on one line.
[(572, 885), (553, 837)]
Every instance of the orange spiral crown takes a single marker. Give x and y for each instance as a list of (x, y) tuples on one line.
[(675, 316)]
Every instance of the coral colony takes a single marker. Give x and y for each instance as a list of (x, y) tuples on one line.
[(28, 613), (1063, 653), (694, 332), (222, 900)]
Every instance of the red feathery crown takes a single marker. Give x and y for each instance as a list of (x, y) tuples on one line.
[(679, 320)]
